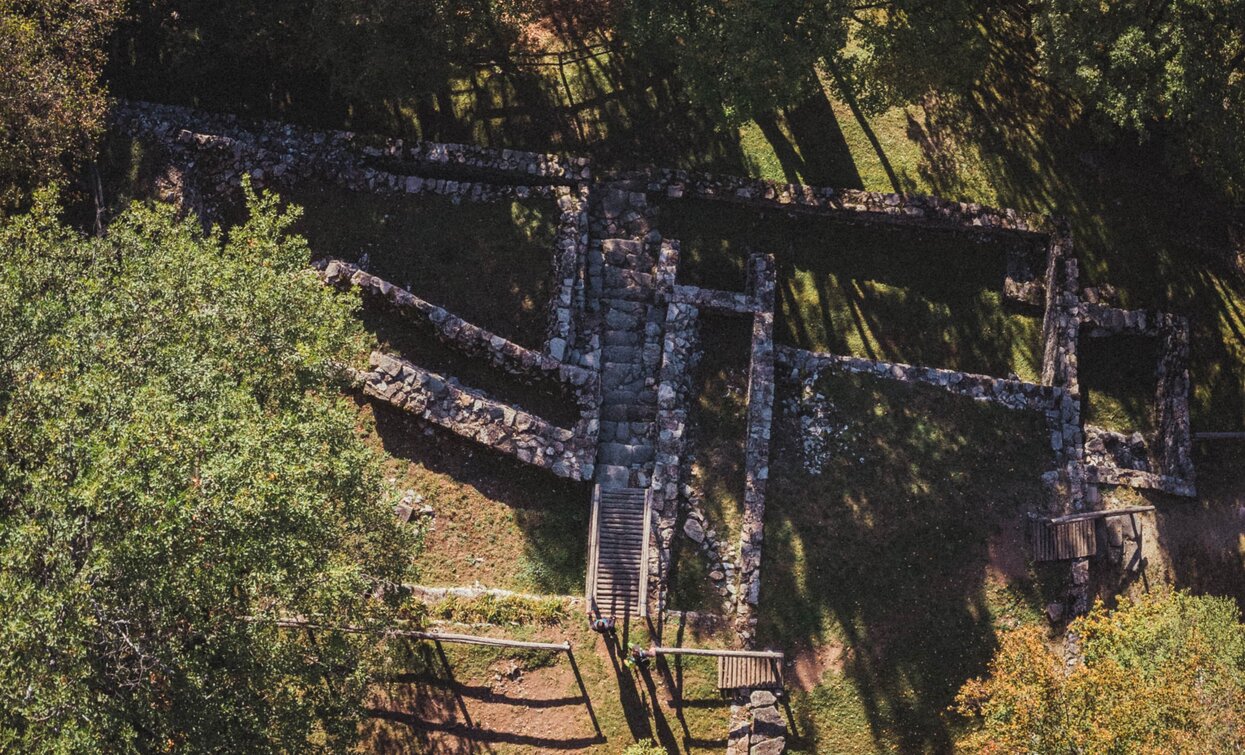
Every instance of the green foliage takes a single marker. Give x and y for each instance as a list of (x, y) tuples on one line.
[(644, 747), (492, 609), (1164, 674), (742, 58), (177, 466), (906, 48), (51, 102), (267, 54), (1173, 67)]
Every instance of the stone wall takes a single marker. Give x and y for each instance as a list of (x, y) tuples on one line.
[(470, 339), (758, 727), (868, 206), (567, 305), (353, 153), (756, 448), (1173, 445), (223, 149), (679, 355), (473, 415), (1013, 394)]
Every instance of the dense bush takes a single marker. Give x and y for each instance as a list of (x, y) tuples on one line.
[(1164, 674), (178, 467), (52, 104)]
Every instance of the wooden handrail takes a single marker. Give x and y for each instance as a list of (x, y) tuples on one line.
[(1100, 514), (771, 654), (465, 639)]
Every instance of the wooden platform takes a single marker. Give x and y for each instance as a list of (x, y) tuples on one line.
[(617, 583), (1057, 541), (738, 669), (736, 672)]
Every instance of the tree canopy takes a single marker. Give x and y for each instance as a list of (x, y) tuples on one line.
[(1175, 68), (1163, 674), (52, 104), (178, 465)]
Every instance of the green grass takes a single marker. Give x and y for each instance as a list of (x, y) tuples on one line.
[(906, 551), (928, 298), (487, 262), (719, 420), (1118, 381), (497, 522)]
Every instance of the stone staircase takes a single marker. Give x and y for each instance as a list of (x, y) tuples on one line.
[(631, 333)]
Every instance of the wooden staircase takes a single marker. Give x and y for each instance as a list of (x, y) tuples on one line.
[(618, 538)]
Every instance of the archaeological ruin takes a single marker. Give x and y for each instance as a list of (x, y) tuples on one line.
[(622, 342)]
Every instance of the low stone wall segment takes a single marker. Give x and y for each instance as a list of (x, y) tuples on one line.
[(475, 416)]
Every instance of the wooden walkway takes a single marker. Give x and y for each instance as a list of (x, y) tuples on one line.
[(739, 669), (618, 551)]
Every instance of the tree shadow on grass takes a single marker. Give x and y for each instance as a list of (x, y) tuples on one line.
[(1157, 234), (812, 148), (612, 103), (899, 548), (924, 297), (529, 527)]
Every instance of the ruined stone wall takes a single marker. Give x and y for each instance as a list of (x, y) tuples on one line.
[(223, 149), (757, 444), (1013, 394), (870, 206), (473, 415), (758, 727), (354, 154), (470, 339), (1173, 444), (568, 303)]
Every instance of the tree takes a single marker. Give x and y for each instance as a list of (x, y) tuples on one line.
[(178, 466), (52, 105), (1163, 674), (1175, 67), (742, 58)]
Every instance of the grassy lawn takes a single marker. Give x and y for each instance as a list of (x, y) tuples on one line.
[(497, 522), (929, 298), (887, 575), (487, 262), (1118, 381)]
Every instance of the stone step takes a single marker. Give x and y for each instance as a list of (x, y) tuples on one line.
[(621, 354), (622, 338), (637, 308), (621, 247), (624, 454), (627, 413), (611, 476), (625, 432), (620, 319)]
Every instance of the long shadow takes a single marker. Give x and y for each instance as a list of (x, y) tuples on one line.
[(849, 97), (467, 732), (826, 159), (925, 297), (634, 709), (481, 692), (886, 551)]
